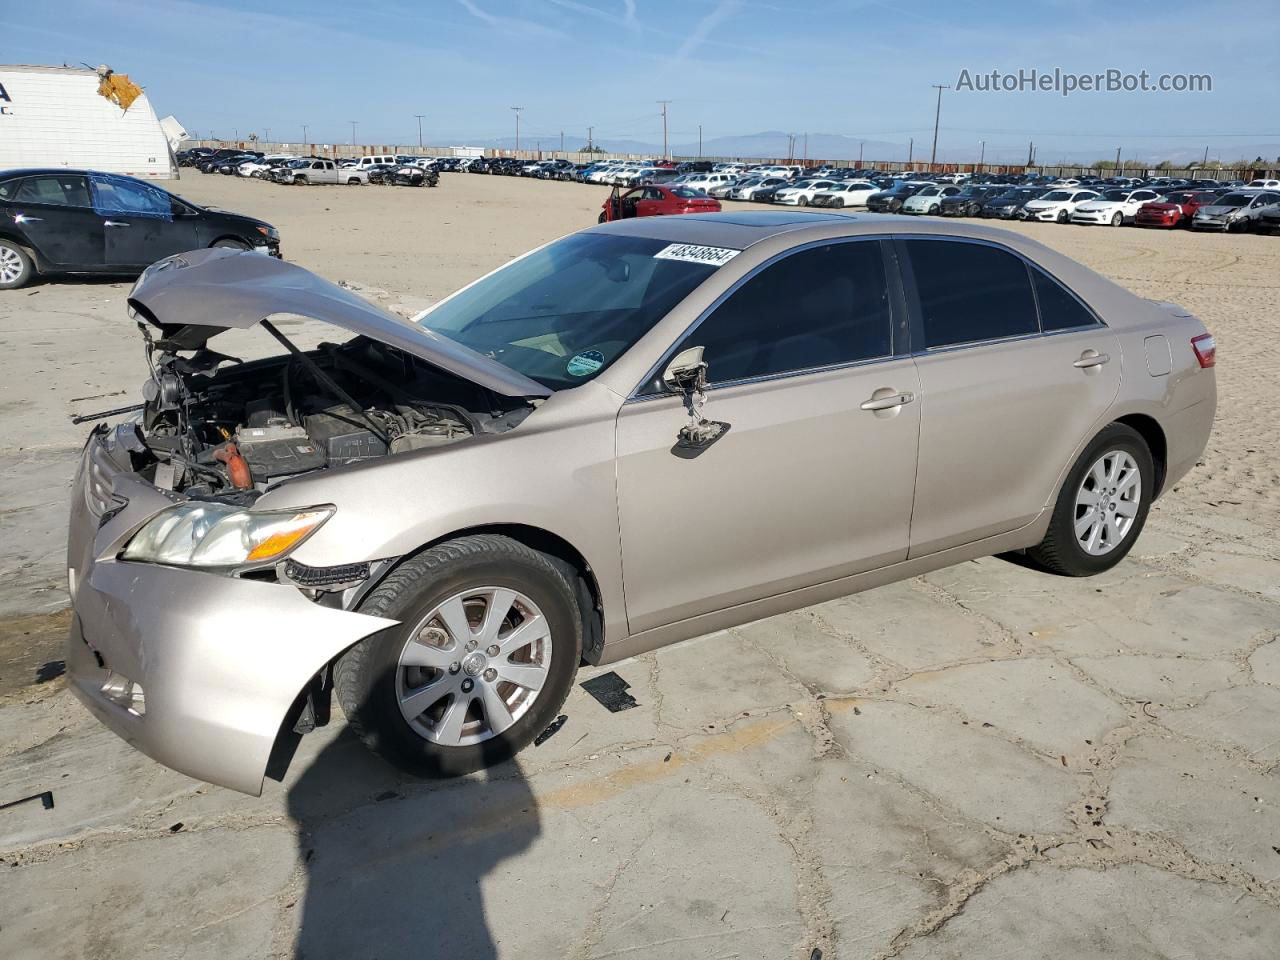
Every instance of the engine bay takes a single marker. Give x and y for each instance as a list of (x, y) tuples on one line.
[(214, 426)]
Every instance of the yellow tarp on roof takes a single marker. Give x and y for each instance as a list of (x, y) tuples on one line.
[(119, 89)]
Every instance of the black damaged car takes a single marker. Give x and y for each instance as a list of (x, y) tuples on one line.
[(1005, 206), (968, 202), (891, 200), (55, 221)]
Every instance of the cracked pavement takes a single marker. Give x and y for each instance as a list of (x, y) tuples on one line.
[(986, 761)]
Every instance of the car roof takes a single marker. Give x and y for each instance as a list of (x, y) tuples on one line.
[(740, 230)]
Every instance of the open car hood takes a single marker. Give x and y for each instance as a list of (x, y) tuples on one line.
[(194, 296)]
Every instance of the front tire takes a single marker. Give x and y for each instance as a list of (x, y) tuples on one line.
[(484, 657), (16, 268), (230, 244), (1063, 216), (1117, 218), (1102, 506)]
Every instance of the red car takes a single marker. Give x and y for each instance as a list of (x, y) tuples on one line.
[(1175, 210), (655, 200)]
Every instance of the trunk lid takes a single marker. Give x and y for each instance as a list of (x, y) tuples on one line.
[(192, 297)]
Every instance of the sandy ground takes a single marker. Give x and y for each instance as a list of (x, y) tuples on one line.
[(976, 763)]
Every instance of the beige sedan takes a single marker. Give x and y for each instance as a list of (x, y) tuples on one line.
[(636, 434)]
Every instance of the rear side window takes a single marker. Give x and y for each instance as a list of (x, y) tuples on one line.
[(1059, 308), (970, 292), (56, 190), (818, 307)]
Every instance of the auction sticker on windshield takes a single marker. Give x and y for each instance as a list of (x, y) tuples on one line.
[(695, 253), (585, 364)]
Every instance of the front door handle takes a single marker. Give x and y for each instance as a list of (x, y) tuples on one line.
[(1091, 358), (887, 403), (21, 218), (115, 223)]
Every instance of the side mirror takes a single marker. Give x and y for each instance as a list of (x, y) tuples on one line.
[(687, 374), (686, 370)]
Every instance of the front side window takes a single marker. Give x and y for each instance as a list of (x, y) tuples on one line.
[(122, 196), (815, 308), (970, 292), (54, 190), (564, 313)]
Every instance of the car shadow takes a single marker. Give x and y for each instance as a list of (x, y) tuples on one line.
[(396, 867)]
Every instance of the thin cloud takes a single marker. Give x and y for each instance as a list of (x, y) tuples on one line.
[(510, 24), (722, 12)]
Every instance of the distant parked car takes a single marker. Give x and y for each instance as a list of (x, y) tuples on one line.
[(1056, 205), (1238, 210), (747, 189), (1114, 207), (848, 193), (1175, 209), (891, 200), (1007, 204), (656, 201), (929, 199), (57, 221), (968, 202)]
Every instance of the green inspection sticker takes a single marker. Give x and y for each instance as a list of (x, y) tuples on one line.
[(584, 364)]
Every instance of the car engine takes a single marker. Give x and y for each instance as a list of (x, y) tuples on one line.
[(215, 426)]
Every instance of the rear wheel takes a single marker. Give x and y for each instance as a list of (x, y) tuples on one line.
[(1102, 506), (16, 268), (488, 644)]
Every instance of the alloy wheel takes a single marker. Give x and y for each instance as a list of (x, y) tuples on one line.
[(10, 265), (473, 666), (1107, 502)]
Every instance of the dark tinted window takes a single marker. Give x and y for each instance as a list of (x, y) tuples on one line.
[(121, 195), (65, 191), (970, 292), (814, 308), (1059, 309)]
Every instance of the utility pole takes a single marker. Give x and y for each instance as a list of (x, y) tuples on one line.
[(304, 133), (1117, 158), (562, 141), (1031, 153), (664, 127), (1206, 156), (937, 115), (911, 148), (590, 144), (806, 147), (861, 144), (700, 142), (419, 116), (266, 134), (982, 155), (517, 110), (353, 131)]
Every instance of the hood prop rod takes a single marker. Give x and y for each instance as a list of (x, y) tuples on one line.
[(328, 381)]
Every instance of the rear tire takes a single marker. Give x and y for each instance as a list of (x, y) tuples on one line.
[(379, 692), (1087, 534), (16, 267)]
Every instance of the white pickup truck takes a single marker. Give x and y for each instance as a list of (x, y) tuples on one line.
[(310, 171)]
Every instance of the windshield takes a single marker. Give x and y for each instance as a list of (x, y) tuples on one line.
[(562, 314), (929, 192), (1115, 195), (687, 192), (1058, 195), (1232, 200)]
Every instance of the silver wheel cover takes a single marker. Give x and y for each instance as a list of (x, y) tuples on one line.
[(1107, 503), (473, 666), (10, 265)]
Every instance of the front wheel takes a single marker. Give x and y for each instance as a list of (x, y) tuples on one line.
[(1102, 506), (933, 210), (840, 202), (229, 244), (1063, 216), (16, 268), (488, 644), (1117, 218)]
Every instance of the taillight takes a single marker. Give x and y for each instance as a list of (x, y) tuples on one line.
[(1206, 349)]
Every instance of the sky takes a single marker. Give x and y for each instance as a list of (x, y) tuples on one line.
[(736, 67)]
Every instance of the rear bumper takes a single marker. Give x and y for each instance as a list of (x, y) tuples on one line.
[(196, 670)]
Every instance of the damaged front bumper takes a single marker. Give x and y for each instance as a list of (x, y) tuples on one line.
[(197, 670)]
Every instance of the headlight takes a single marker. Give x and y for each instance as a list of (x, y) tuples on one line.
[(271, 233), (204, 534)]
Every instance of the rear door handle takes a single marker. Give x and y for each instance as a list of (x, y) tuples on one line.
[(115, 223), (1091, 358), (887, 403)]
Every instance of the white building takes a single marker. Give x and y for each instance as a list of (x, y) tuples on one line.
[(54, 117)]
